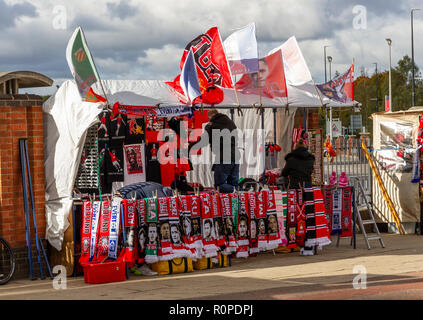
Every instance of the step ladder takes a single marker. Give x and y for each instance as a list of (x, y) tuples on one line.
[(371, 221)]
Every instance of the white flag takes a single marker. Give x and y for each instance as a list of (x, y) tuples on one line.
[(241, 50), (296, 70)]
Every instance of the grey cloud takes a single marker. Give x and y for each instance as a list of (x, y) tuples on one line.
[(9, 13), (122, 9)]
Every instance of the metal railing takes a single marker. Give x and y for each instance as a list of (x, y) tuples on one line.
[(350, 159)]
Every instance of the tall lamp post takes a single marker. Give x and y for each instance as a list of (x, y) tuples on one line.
[(330, 110), (326, 80), (330, 67), (377, 89), (324, 49), (390, 83), (412, 60)]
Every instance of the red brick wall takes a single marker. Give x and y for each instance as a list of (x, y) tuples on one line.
[(20, 117)]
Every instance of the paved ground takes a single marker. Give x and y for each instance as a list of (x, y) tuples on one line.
[(395, 272)]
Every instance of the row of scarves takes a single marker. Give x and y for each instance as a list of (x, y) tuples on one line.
[(192, 226), (338, 208)]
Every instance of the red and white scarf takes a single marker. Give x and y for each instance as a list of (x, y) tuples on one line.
[(218, 223), (242, 227), (322, 231), (280, 197), (346, 212), (196, 239), (96, 211), (301, 218), (337, 211), (328, 201), (179, 248), (130, 219), (185, 218), (152, 221), (142, 229), (252, 207), (209, 242), (273, 237), (292, 219), (87, 211), (165, 250), (228, 222), (103, 238), (261, 220)]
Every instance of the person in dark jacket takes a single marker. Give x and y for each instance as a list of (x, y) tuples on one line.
[(299, 166), (224, 146)]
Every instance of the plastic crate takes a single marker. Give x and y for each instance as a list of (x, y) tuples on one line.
[(105, 272)]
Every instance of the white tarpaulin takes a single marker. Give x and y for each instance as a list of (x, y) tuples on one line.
[(67, 120)]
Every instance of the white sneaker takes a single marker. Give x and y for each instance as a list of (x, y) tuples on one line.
[(145, 270)]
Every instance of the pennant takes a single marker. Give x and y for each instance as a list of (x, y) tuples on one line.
[(241, 50), (189, 78), (81, 63), (341, 88)]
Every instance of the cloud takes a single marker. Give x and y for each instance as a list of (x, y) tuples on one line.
[(11, 13)]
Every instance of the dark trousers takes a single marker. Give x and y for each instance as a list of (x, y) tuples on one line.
[(226, 177)]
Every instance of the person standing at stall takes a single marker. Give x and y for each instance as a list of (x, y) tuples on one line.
[(221, 134)]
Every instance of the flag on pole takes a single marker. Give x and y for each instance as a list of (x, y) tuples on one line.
[(341, 88), (81, 63), (241, 50), (296, 69), (189, 78)]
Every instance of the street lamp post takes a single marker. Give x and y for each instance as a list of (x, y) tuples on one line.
[(377, 89), (324, 49), (390, 83), (330, 67), (412, 60)]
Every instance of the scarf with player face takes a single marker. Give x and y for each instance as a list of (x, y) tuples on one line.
[(261, 218), (103, 238), (130, 219), (141, 206), (179, 248), (152, 221), (281, 210), (165, 250), (209, 242), (322, 230), (228, 222), (252, 209), (196, 239), (346, 223), (291, 229), (185, 218), (218, 222), (273, 237), (242, 226), (86, 231), (336, 211)]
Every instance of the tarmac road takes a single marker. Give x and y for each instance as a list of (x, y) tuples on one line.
[(393, 272)]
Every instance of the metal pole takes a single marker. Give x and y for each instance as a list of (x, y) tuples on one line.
[(390, 83), (412, 61), (377, 89)]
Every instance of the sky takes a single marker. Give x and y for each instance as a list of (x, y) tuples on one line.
[(144, 39)]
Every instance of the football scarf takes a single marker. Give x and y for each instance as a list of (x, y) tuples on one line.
[(218, 222), (152, 221), (94, 228), (252, 207), (310, 237), (209, 242), (114, 228), (142, 229), (346, 222), (273, 237), (322, 230), (103, 238), (336, 211), (261, 220), (228, 222), (86, 231), (242, 226), (179, 248), (328, 200), (291, 223), (196, 241), (280, 199), (185, 218), (165, 250), (130, 218)]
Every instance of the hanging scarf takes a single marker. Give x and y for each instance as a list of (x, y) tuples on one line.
[(94, 228), (218, 223), (301, 218), (114, 229), (141, 206), (273, 237), (242, 226), (179, 248), (261, 218), (346, 222), (209, 242), (152, 221), (252, 207), (165, 250), (322, 231), (130, 218), (328, 201), (336, 211), (86, 231), (185, 218), (310, 237), (291, 219), (196, 239), (228, 222), (103, 238), (281, 209)]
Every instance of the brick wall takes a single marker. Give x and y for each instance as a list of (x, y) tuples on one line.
[(21, 116)]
